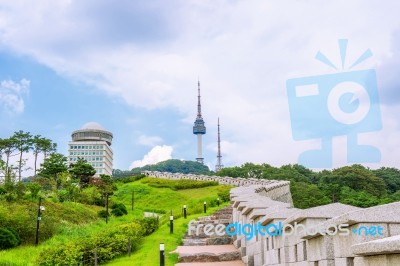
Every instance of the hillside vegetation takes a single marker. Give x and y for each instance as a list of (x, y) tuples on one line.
[(355, 185), (70, 232), (171, 166)]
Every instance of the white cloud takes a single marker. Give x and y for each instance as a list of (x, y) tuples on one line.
[(12, 95), (149, 140), (157, 154), (243, 52)]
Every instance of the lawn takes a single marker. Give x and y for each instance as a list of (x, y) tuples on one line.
[(146, 198), (148, 252)]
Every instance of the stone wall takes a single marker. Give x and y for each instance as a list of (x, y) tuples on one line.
[(373, 236)]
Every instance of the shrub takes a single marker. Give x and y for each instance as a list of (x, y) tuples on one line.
[(102, 214), (149, 225), (100, 201), (7, 239), (117, 212), (223, 194), (12, 230), (109, 244), (118, 209)]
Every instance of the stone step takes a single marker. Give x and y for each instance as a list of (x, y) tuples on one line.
[(209, 253), (197, 241), (223, 240), (220, 263), (194, 241)]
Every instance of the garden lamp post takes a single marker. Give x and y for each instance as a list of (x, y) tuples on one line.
[(39, 217)]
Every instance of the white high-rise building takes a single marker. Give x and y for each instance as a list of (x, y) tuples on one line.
[(92, 143)]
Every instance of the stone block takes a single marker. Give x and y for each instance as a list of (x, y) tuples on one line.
[(344, 261), (325, 263), (258, 259), (342, 244), (320, 248), (271, 257), (378, 260), (302, 251), (292, 254), (299, 263), (386, 245)]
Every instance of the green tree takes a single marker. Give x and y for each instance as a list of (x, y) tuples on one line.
[(53, 166), (105, 185), (82, 171), (23, 143), (40, 145), (173, 166), (8, 146), (34, 188), (307, 195), (358, 178), (358, 198), (391, 176)]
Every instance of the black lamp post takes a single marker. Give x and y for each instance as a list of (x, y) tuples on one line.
[(40, 208)]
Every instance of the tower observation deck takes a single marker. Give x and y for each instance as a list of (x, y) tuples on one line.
[(199, 128)]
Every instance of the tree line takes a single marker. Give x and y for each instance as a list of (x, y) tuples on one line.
[(21, 143), (171, 166), (355, 185)]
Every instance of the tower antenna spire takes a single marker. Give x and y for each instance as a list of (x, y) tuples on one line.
[(219, 165), (198, 99), (199, 128)]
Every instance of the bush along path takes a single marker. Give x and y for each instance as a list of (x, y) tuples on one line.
[(200, 249)]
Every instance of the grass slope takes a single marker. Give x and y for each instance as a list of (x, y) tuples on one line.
[(146, 198)]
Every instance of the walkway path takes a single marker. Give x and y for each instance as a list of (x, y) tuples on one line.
[(201, 250)]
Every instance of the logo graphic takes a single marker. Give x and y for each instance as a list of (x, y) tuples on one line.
[(252, 230), (341, 104)]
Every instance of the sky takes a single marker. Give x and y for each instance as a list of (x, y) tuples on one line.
[(133, 67)]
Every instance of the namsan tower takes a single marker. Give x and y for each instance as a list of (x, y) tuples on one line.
[(219, 164), (199, 128)]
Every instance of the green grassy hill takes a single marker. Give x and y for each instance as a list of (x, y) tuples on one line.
[(71, 222)]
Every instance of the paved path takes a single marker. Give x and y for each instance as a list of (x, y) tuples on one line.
[(202, 250), (213, 249)]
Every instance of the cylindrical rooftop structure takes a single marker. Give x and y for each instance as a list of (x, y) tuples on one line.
[(92, 131)]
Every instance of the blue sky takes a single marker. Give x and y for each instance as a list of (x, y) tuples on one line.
[(133, 66)]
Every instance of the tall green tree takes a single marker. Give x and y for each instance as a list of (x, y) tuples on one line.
[(41, 145), (391, 176), (358, 178), (83, 171), (53, 166), (23, 143), (105, 185), (48, 147), (8, 146)]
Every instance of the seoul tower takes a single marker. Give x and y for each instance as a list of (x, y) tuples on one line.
[(199, 129), (219, 164)]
